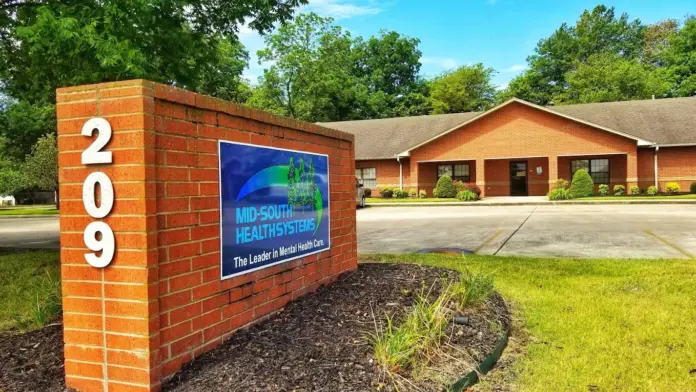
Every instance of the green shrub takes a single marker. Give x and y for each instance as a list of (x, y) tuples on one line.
[(582, 185), (672, 188), (458, 186), (386, 192), (422, 194), (435, 192), (470, 186), (412, 193), (560, 194), (445, 188), (603, 189), (466, 195), (635, 190), (619, 190), (562, 183), (692, 187), (399, 194), (367, 192), (652, 190)]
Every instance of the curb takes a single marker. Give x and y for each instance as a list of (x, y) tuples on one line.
[(546, 203), (29, 216)]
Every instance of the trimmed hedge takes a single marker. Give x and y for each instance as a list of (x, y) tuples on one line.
[(367, 192), (445, 187), (582, 184), (386, 193)]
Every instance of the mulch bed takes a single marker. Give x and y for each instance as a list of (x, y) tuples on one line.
[(319, 343), (32, 361)]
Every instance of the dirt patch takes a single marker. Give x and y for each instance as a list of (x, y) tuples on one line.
[(32, 361), (318, 343)]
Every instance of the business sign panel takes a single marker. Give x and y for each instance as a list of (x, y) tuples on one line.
[(274, 206)]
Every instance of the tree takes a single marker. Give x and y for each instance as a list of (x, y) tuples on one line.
[(21, 124), (48, 44), (41, 167), (318, 72), (680, 59), (608, 77), (12, 181), (597, 31), (656, 38), (465, 89)]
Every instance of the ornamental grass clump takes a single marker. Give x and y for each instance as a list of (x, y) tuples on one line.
[(672, 188), (467, 195), (472, 288), (415, 342), (582, 184), (560, 194)]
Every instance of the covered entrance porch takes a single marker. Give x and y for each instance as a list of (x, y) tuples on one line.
[(530, 175)]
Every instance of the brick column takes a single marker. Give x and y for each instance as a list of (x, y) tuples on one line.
[(110, 316), (553, 171), (631, 169), (481, 175), (160, 302)]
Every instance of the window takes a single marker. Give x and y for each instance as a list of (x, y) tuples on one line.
[(598, 169), (457, 172), (367, 176)]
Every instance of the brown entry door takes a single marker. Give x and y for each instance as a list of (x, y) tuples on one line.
[(518, 178)]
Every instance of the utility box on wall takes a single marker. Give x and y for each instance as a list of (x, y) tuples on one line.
[(151, 276)]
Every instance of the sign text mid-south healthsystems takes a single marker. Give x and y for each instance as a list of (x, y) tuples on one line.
[(274, 205)]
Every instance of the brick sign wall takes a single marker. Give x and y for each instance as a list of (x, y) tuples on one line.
[(140, 229)]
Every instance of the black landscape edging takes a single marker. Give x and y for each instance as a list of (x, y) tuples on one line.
[(472, 378)]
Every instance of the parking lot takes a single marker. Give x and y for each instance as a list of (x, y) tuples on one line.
[(614, 231)]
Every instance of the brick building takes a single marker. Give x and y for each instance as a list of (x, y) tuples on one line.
[(518, 148)]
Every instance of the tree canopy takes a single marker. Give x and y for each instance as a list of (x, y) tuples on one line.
[(605, 57)]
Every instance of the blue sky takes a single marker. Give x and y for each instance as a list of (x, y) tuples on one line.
[(498, 33)]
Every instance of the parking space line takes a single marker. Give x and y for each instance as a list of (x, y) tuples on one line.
[(489, 240), (516, 230), (669, 243)]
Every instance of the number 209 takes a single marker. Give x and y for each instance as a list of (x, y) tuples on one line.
[(91, 156)]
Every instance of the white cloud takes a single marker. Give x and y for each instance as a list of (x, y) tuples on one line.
[(445, 63), (515, 68), (342, 9)]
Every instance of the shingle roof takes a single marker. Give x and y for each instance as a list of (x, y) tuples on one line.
[(660, 121), (384, 138)]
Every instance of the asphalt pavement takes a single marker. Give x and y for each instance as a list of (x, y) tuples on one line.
[(41, 232), (589, 231)]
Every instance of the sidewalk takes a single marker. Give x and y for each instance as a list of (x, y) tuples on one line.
[(532, 201)]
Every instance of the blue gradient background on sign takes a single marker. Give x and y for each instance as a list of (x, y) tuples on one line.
[(238, 164)]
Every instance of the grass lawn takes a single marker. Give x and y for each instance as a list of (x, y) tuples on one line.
[(379, 200), (29, 288), (640, 197), (25, 210), (593, 324)]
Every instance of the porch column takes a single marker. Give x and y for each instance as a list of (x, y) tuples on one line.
[(553, 171), (480, 175), (631, 170)]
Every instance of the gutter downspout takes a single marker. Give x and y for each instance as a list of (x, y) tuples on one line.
[(401, 174), (657, 148)]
